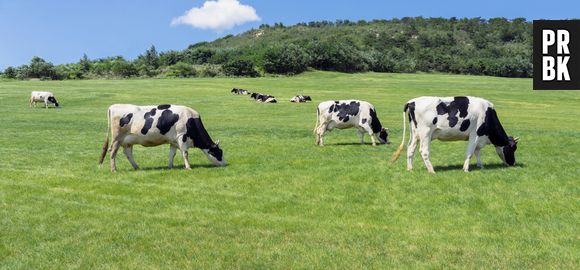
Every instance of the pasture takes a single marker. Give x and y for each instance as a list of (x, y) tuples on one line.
[(283, 202)]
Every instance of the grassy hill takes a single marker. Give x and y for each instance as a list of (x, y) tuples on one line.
[(283, 202)]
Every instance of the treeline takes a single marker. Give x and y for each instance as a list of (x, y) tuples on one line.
[(495, 47)]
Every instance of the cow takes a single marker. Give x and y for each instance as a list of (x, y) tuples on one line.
[(300, 99), (178, 126), (454, 119), (43, 96), (344, 114), (263, 98), (239, 91)]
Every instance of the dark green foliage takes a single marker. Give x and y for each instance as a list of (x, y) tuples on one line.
[(9, 73), (181, 70), (494, 47), (285, 59), (240, 67)]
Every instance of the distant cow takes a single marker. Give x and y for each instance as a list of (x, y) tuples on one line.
[(343, 114), (263, 98), (178, 126), (239, 91), (300, 99), (42, 96), (455, 119)]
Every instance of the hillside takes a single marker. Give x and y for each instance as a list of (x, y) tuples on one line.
[(495, 47)]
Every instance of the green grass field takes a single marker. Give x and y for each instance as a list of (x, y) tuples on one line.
[(283, 202)]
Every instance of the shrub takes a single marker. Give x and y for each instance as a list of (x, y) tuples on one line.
[(240, 67), (285, 59)]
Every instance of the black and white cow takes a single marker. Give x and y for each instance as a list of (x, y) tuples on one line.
[(455, 119), (263, 98), (42, 96), (239, 91), (178, 126), (300, 99), (344, 114)]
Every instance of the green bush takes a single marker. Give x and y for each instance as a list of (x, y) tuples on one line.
[(285, 59), (240, 67)]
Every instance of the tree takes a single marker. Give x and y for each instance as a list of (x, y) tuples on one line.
[(85, 63), (285, 59), (240, 67), (9, 73)]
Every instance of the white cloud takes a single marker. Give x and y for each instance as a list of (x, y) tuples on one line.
[(218, 15)]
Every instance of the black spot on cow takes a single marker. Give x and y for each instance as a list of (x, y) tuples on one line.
[(492, 128), (375, 123), (166, 121), (148, 121), (216, 152), (458, 105), (53, 100), (410, 108), (435, 121), (163, 106), (509, 151), (197, 133), (150, 113), (364, 120), (344, 111), (464, 125), (125, 120), (307, 98)]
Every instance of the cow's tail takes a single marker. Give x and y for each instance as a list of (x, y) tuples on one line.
[(106, 144), (317, 120), (397, 154)]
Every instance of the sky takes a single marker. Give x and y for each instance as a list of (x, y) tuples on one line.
[(61, 31)]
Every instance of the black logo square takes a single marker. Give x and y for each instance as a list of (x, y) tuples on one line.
[(556, 55)]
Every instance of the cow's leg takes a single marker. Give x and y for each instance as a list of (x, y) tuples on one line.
[(114, 148), (46, 103), (425, 145), (129, 153), (411, 150), (183, 148), (471, 146), (362, 136), (172, 151), (320, 134), (478, 157)]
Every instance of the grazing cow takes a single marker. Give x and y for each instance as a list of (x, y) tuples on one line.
[(46, 97), (455, 119), (343, 114), (178, 126), (300, 99), (263, 98), (239, 91)]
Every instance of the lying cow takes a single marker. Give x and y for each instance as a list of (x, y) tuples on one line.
[(300, 99), (343, 114), (455, 119), (178, 126), (239, 91), (263, 98), (42, 96)]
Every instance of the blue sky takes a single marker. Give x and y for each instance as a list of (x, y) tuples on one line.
[(60, 31)]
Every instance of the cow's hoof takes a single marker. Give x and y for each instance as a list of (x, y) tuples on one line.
[(189, 169)]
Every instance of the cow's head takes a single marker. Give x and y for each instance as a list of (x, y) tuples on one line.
[(507, 153), (215, 154), (53, 100), (384, 135)]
